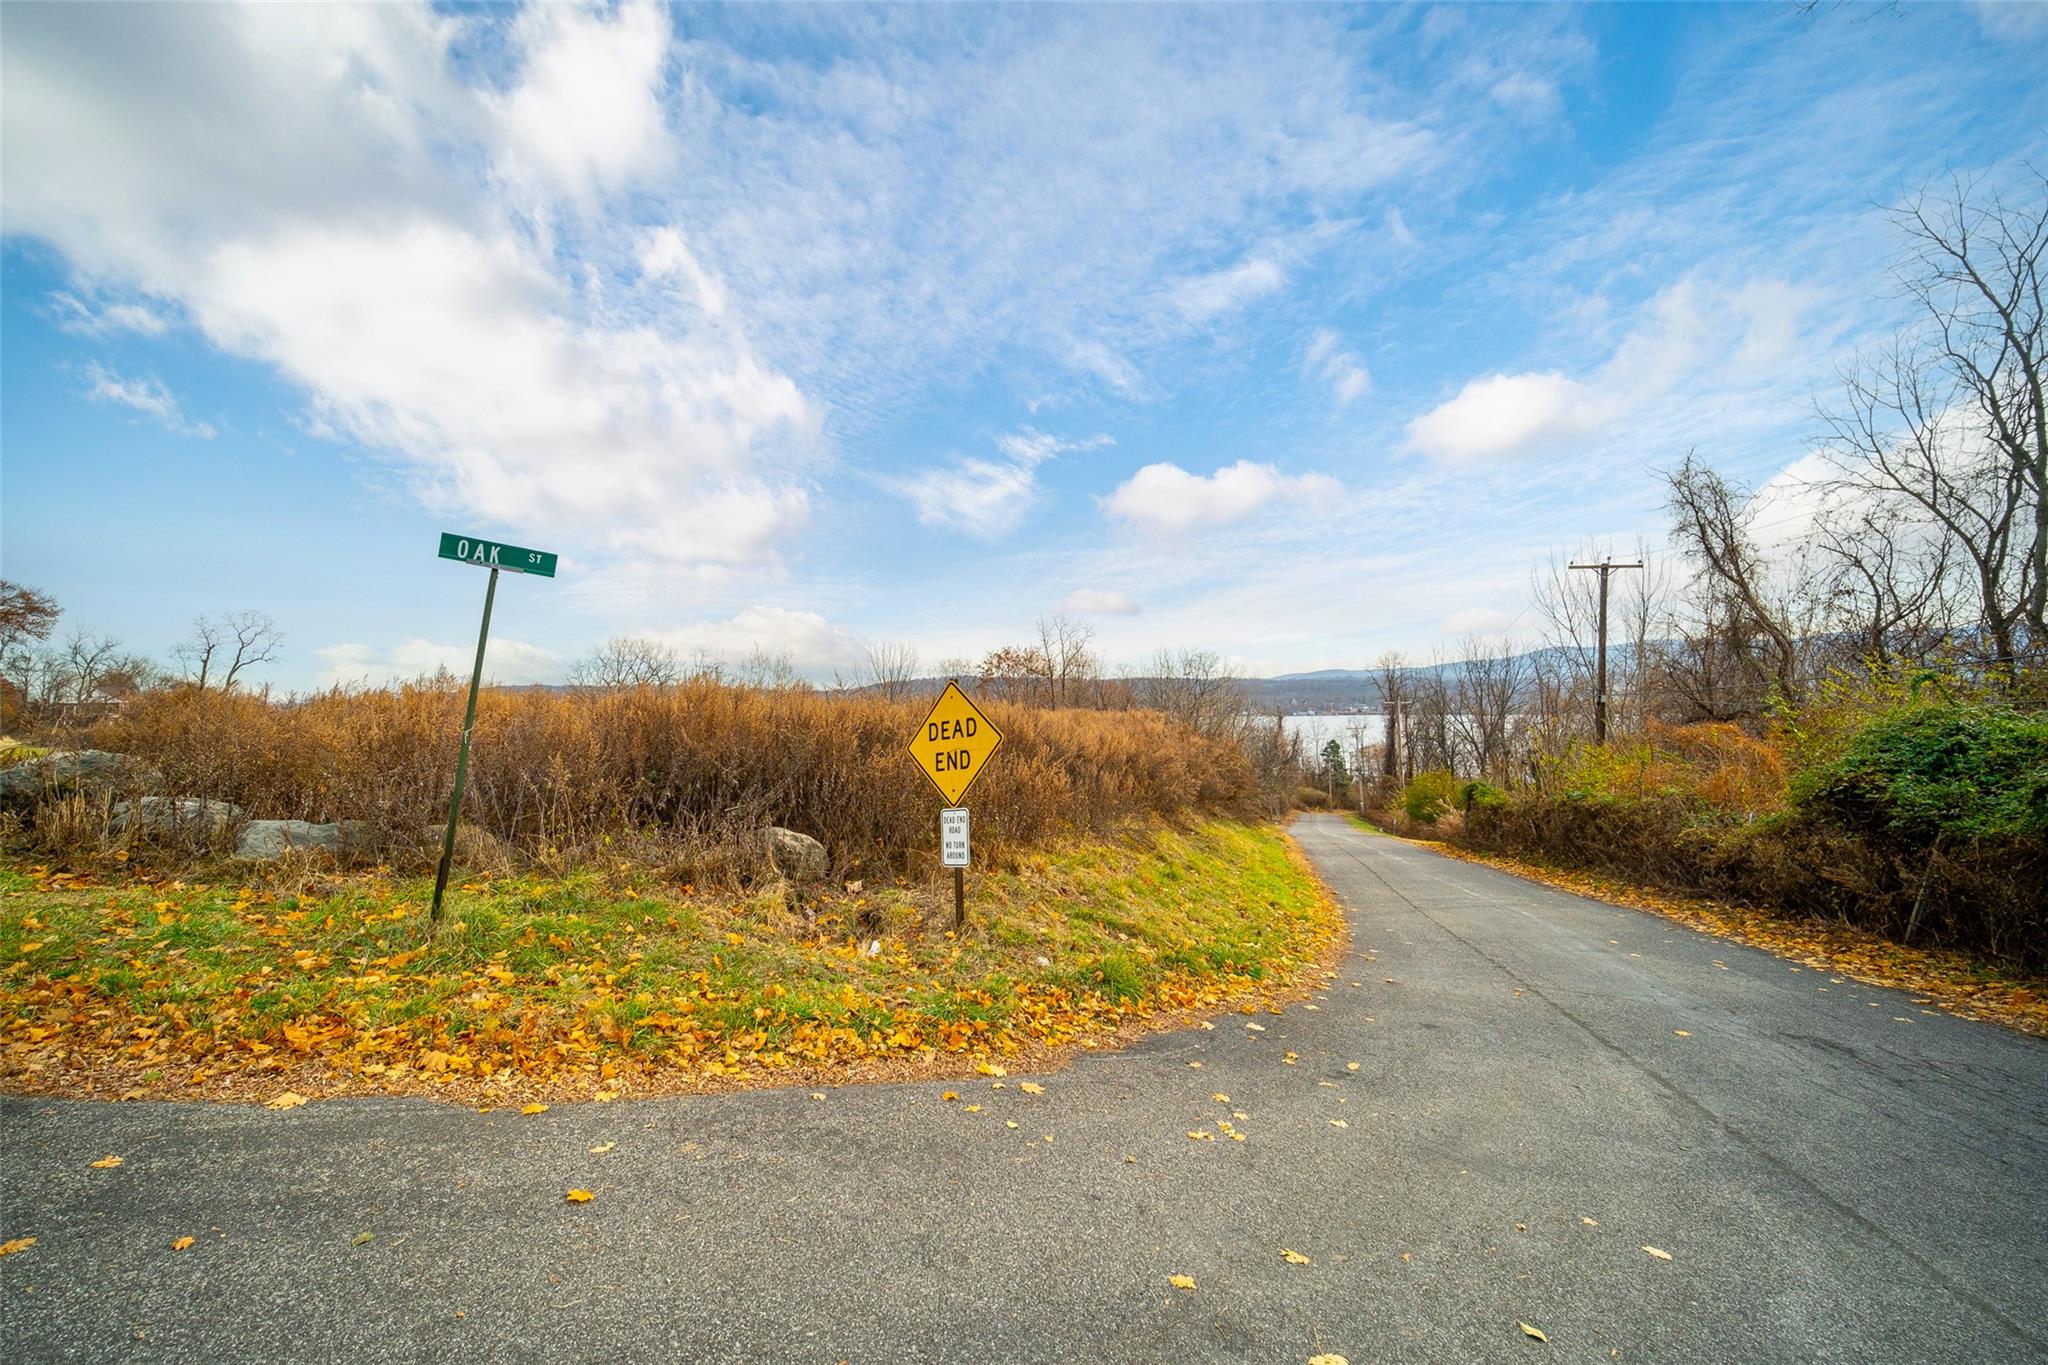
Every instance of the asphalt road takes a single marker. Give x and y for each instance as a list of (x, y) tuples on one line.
[(1545, 1086)]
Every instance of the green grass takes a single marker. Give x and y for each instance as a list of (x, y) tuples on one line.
[(570, 972)]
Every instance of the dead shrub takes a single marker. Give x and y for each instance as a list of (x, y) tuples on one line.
[(682, 776)]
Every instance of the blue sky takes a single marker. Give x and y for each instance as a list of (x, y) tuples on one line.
[(1295, 333)]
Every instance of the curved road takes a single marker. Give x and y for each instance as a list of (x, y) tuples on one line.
[(1545, 1085)]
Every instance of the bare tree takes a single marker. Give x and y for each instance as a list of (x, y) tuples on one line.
[(1487, 696), (26, 620), (1567, 612), (1762, 616), (1950, 420), (1016, 673), (1426, 719), (773, 672), (224, 649), (629, 661), (1397, 763), (1195, 688), (88, 669), (1063, 644), (1892, 580), (889, 668)]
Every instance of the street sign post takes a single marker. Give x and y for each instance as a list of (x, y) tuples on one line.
[(952, 748), (493, 555), (953, 837), (954, 744)]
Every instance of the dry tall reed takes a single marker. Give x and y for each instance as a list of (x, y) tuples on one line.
[(702, 765)]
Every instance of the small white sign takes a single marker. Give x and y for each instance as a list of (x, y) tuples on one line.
[(953, 837)]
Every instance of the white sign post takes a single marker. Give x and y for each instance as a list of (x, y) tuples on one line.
[(953, 837)]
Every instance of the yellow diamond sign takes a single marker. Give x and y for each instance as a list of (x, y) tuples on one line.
[(954, 744)]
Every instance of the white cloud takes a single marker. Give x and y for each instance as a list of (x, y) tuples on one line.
[(2012, 20), (1200, 298), (1690, 335), (1345, 373), (666, 256), (984, 498), (1504, 414), (988, 498), (147, 396), (810, 642), (1099, 602), (586, 114), (304, 185), (1092, 357), (101, 318), (1534, 97), (1165, 497), (1038, 191), (509, 663)]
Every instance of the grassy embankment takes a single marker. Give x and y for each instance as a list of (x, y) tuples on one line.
[(606, 983)]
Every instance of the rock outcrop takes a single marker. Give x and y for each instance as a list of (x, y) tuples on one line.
[(798, 857), (193, 817), (92, 772)]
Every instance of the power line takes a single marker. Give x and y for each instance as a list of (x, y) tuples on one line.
[(1604, 568)]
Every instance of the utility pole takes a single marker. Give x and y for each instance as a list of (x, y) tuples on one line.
[(1392, 707), (1603, 568)]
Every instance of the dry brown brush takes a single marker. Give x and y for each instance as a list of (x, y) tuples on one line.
[(689, 772)]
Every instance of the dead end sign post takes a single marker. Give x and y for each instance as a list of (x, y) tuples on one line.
[(952, 748), (493, 555)]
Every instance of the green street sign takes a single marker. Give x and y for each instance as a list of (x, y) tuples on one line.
[(492, 554)]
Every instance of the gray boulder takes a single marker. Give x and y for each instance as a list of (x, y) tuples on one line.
[(265, 840), (798, 857), (90, 771), (189, 816)]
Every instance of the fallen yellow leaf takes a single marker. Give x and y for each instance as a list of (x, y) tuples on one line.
[(1681, 1033), (817, 1094), (1535, 1332), (991, 1069), (1009, 1123), (1295, 1258), (602, 1148), (534, 1109), (1220, 1097), (579, 1196), (181, 1244), (106, 1163), (1200, 1135), (1328, 1358), (1589, 1222), (1351, 1066), (1339, 1123), (1186, 1282), (1658, 1253), (290, 1099), (971, 1108), (14, 1244), (1031, 1088), (949, 1096)]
